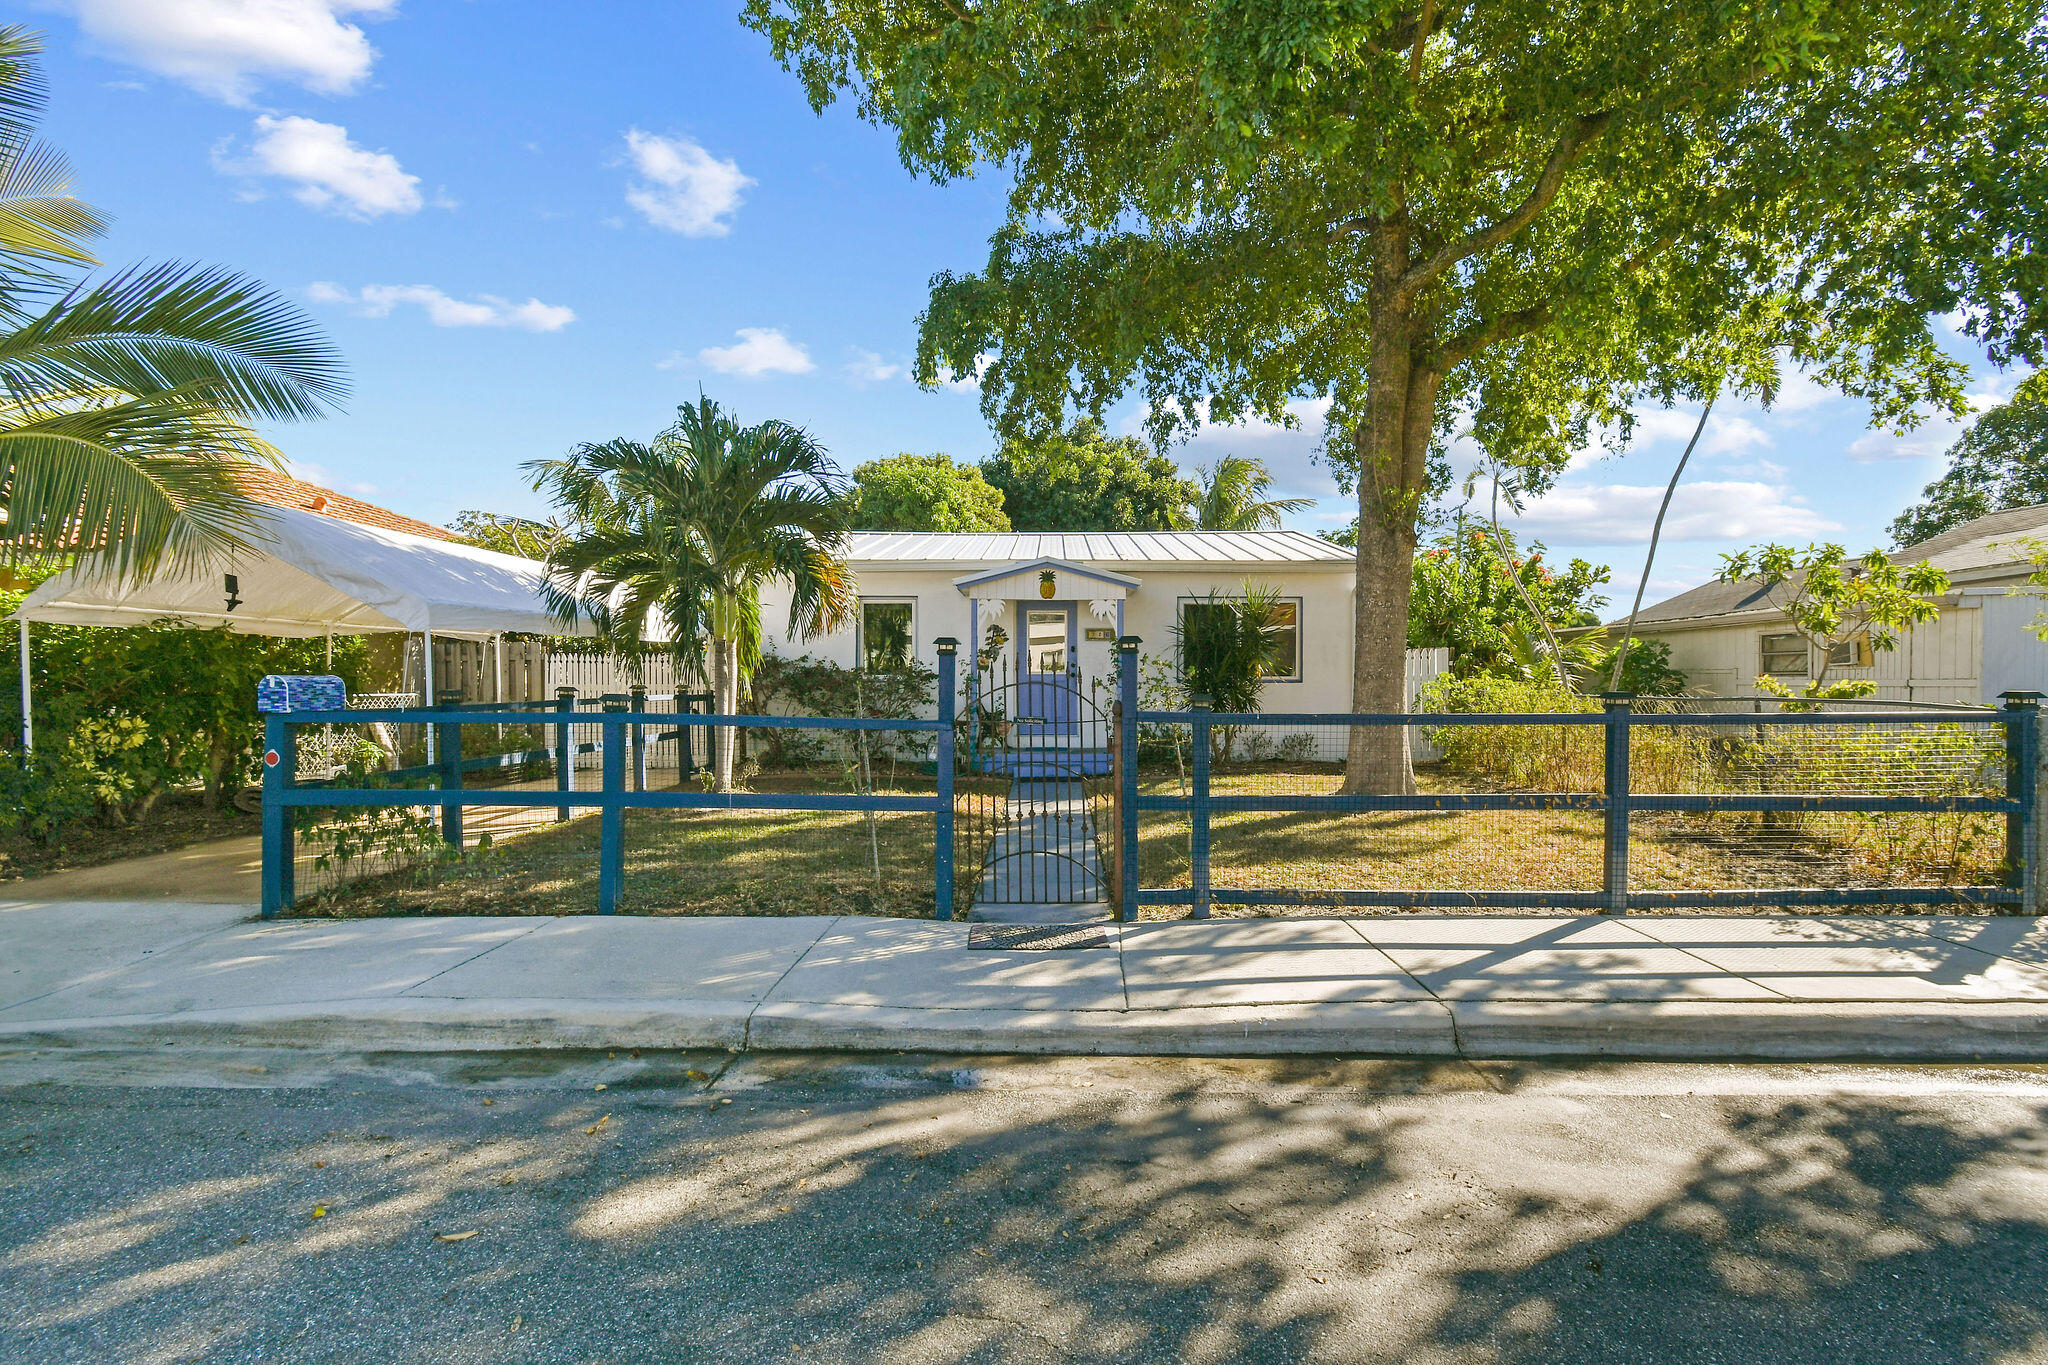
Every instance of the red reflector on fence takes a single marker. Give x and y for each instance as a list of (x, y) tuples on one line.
[(270, 759)]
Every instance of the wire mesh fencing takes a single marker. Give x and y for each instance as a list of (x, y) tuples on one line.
[(1758, 803), (616, 803)]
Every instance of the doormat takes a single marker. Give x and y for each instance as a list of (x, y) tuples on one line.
[(1037, 938)]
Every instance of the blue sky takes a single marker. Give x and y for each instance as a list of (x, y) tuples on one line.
[(530, 225)]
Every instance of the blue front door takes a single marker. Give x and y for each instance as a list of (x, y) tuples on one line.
[(1047, 701)]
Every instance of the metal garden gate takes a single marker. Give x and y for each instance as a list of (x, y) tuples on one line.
[(1034, 832)]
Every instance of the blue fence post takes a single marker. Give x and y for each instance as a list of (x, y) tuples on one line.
[(565, 746), (1128, 873), (942, 888), (636, 701), (448, 743), (2022, 781), (280, 766), (1614, 859), (1198, 808), (611, 844)]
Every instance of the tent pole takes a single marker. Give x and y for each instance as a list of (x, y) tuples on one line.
[(427, 670), (28, 725)]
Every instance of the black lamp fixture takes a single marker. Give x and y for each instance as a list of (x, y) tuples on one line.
[(234, 593)]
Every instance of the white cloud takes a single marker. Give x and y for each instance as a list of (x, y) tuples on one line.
[(970, 383), (1621, 514), (485, 310), (1933, 437), (683, 187), (1799, 391), (867, 367), (1923, 442), (1725, 435), (326, 170), (1288, 452), (759, 351), (226, 48)]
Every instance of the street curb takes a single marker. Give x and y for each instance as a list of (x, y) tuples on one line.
[(413, 1026), (1495, 1030), (1400, 1028), (1929, 1031)]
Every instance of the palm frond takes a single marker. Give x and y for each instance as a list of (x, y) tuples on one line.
[(40, 219), (135, 484), (22, 92), (1234, 497), (167, 327), (704, 514)]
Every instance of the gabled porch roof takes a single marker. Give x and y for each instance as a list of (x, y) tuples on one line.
[(1022, 579)]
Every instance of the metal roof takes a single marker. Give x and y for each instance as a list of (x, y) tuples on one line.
[(1158, 549)]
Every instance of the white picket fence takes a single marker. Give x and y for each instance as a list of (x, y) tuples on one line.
[(1423, 665)]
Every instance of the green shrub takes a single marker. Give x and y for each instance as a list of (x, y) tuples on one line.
[(124, 715)]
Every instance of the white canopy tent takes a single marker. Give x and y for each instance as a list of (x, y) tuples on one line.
[(309, 576)]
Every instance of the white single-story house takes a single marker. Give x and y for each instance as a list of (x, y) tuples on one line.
[(1723, 636), (1061, 601)]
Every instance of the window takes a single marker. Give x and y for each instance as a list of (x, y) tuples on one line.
[(1784, 656), (1287, 632), (886, 632), (1853, 652), (1045, 641), (1287, 652)]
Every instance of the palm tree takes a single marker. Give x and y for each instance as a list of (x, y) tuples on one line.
[(690, 527), (127, 403), (1234, 497)]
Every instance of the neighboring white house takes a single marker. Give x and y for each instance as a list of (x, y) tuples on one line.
[(1724, 635), (1063, 599)]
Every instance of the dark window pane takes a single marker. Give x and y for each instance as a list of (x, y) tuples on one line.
[(885, 634)]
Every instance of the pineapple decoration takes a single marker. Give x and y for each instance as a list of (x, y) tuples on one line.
[(1048, 583)]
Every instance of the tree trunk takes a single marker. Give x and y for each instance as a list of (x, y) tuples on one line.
[(1393, 451), (725, 679), (1377, 759), (219, 754)]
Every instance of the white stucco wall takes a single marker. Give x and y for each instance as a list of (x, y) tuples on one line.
[(1149, 613)]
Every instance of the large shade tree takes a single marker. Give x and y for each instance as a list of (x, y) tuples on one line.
[(684, 530), (1084, 479), (924, 493), (127, 402), (2001, 462), (1524, 215)]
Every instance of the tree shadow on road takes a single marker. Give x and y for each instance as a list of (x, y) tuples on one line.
[(908, 1213)]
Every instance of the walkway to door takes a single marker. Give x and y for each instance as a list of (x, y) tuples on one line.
[(1043, 864), (1037, 842)]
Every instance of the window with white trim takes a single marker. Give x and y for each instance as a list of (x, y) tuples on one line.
[(1287, 646)]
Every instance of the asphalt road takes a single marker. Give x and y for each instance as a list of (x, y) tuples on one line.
[(179, 1206)]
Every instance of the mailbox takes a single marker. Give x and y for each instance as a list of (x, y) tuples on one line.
[(285, 692)]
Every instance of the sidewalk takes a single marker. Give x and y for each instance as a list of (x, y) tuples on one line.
[(1929, 989)]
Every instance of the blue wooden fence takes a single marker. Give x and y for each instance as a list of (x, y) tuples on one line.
[(2019, 719), (623, 731)]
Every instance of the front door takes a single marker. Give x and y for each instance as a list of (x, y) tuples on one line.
[(1048, 674)]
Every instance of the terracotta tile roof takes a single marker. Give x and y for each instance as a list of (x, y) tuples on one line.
[(282, 490)]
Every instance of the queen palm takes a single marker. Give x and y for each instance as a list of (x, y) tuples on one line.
[(688, 528), (1234, 497), (126, 403)]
